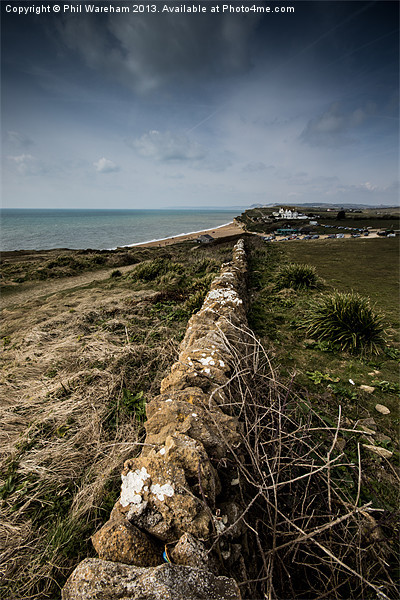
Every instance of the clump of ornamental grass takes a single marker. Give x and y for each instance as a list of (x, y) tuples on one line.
[(296, 276), (348, 322)]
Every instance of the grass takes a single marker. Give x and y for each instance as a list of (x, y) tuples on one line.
[(347, 321), (314, 520), (296, 276), (77, 367), (276, 315)]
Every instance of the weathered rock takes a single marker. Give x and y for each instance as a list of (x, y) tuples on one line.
[(369, 422), (384, 410), (120, 541), (367, 388), (214, 429), (183, 377), (169, 493), (171, 508), (378, 450), (190, 552), (95, 579), (230, 515)]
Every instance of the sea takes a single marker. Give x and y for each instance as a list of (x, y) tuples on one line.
[(43, 229)]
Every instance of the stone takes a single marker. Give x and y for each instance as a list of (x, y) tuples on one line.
[(367, 388), (171, 509), (190, 454), (214, 429), (183, 377), (378, 450), (120, 541), (369, 422), (190, 552), (384, 410), (230, 515), (95, 579)]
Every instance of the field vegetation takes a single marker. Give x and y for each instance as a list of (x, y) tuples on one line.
[(79, 362), (77, 367)]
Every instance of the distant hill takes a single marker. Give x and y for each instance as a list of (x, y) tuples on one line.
[(323, 205)]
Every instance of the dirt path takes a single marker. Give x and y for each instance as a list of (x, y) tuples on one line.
[(33, 291)]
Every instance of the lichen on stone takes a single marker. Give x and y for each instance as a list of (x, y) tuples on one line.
[(159, 491), (132, 486)]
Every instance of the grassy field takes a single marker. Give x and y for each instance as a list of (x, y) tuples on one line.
[(369, 267), (80, 359)]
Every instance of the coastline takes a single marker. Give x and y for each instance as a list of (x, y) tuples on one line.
[(216, 232)]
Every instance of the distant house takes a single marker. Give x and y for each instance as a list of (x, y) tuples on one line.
[(287, 213), (205, 239)]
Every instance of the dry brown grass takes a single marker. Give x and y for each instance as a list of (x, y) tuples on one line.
[(65, 429)]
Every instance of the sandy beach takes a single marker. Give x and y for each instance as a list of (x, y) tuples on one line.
[(217, 232)]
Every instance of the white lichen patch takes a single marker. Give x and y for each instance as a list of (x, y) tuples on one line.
[(223, 296), (160, 491), (219, 525), (207, 361), (132, 486)]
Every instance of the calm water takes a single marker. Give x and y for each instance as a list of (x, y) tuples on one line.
[(40, 229)]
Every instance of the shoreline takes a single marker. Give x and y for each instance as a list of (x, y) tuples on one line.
[(216, 232)]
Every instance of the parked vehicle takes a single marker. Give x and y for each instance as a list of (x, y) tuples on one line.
[(340, 235)]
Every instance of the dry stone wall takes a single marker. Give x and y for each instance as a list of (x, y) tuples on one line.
[(176, 499)]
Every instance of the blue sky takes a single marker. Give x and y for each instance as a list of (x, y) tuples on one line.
[(182, 110)]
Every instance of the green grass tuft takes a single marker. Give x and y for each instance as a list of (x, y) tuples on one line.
[(348, 321), (296, 276)]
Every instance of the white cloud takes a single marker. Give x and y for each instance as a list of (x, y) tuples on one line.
[(26, 164), (334, 126), (167, 146), (103, 165), (255, 166)]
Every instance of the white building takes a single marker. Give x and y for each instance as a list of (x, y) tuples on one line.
[(287, 213)]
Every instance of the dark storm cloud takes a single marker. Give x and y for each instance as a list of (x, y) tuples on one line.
[(229, 106), (151, 51)]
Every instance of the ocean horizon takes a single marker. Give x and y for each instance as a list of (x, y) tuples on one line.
[(101, 229)]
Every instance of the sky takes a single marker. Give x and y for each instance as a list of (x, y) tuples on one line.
[(217, 109)]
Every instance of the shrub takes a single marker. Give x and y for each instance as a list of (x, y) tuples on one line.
[(116, 273), (195, 301), (296, 276), (348, 321), (148, 271)]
